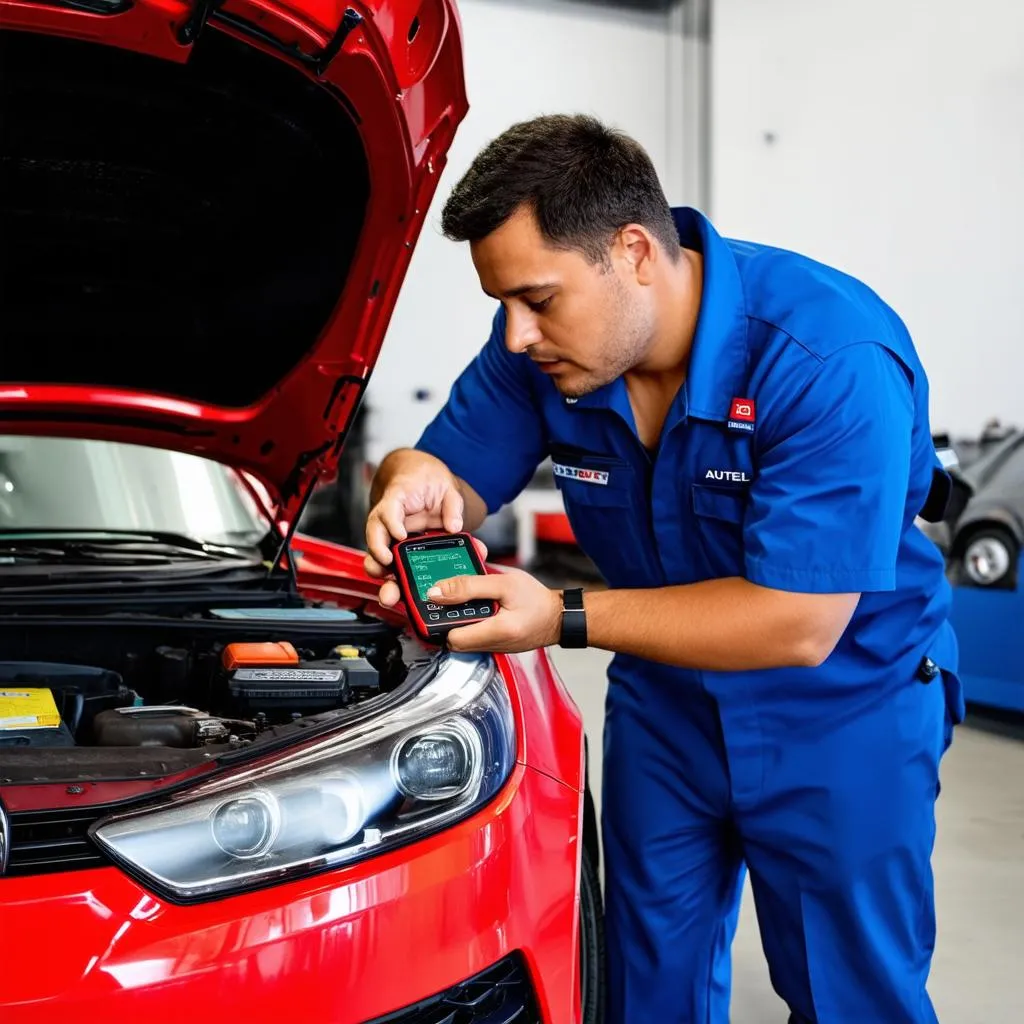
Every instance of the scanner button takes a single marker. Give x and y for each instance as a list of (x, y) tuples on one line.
[(453, 615)]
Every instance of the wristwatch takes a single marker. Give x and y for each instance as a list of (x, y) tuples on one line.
[(574, 619)]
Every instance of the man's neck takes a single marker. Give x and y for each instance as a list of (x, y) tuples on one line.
[(679, 296), (653, 384)]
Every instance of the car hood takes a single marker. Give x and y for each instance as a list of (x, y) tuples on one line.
[(207, 214)]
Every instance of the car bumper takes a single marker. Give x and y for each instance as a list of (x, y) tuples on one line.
[(987, 625), (498, 892)]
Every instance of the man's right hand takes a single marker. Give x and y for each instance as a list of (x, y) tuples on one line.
[(413, 491)]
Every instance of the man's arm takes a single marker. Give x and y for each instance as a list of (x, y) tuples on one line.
[(726, 625)]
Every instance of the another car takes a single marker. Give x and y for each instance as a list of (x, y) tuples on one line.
[(986, 537), (982, 534), (231, 784), (982, 537)]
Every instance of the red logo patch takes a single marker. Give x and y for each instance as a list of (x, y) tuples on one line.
[(742, 409)]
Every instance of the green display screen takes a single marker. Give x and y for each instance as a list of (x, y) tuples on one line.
[(430, 565)]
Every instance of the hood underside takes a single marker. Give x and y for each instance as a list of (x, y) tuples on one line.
[(150, 235), (203, 252)]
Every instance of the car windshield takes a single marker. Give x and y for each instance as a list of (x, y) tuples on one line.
[(53, 483)]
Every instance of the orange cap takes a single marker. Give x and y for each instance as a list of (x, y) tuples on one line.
[(237, 655)]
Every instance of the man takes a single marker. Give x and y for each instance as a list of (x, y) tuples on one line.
[(741, 439)]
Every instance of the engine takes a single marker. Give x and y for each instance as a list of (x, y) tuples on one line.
[(196, 695)]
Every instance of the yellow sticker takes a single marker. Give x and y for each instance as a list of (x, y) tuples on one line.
[(24, 707)]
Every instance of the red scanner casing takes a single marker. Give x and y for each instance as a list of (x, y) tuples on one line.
[(432, 623)]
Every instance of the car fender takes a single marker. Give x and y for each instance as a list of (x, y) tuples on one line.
[(553, 735), (971, 523)]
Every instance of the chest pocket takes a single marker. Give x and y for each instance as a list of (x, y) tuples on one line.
[(601, 495), (718, 514)]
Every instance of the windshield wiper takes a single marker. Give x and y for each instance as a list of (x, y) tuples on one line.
[(111, 547)]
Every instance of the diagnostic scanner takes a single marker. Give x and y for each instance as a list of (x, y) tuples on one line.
[(423, 560)]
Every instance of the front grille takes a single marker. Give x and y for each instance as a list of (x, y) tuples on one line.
[(43, 842), (500, 995)]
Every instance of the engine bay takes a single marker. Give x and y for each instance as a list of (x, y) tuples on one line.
[(128, 695)]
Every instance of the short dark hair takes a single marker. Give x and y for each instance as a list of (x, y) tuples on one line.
[(583, 180)]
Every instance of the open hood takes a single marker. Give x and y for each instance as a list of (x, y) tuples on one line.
[(207, 212)]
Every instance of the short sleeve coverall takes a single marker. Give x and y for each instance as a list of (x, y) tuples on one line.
[(797, 454)]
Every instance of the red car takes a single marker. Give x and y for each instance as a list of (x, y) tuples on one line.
[(231, 785)]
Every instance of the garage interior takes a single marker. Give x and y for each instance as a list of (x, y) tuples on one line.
[(886, 139)]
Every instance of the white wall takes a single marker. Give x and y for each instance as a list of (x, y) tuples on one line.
[(898, 155), (523, 57)]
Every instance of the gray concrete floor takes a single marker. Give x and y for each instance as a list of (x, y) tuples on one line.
[(978, 968)]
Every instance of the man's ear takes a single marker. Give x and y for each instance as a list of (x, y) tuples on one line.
[(640, 251)]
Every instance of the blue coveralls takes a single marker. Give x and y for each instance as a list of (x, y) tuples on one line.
[(797, 454)]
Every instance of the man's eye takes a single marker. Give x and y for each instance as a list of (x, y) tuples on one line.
[(539, 307)]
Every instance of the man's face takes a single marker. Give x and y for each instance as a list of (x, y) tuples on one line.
[(582, 324)]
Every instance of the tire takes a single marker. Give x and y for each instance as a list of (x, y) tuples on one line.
[(990, 557), (592, 956)]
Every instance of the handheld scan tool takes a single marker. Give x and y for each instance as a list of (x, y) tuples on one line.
[(425, 559)]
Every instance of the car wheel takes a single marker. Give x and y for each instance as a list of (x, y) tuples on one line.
[(990, 557), (592, 979)]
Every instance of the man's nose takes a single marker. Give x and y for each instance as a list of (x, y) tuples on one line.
[(521, 331)]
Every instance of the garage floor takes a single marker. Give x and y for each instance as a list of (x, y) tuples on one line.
[(979, 867)]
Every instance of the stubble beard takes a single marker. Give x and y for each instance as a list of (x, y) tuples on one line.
[(625, 343)]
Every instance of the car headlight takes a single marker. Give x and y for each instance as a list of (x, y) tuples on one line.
[(391, 779)]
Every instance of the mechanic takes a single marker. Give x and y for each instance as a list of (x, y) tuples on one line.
[(741, 439)]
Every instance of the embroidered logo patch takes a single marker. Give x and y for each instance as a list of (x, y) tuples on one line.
[(741, 415), (590, 476)]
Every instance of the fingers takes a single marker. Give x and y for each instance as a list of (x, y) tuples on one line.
[(452, 510), (389, 595), (481, 549), (378, 540), (468, 588), (389, 521), (481, 636), (373, 568)]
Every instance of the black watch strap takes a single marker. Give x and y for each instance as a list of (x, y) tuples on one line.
[(574, 619)]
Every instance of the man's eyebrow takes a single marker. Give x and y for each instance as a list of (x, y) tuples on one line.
[(514, 293)]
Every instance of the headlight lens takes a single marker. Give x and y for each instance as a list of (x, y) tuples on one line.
[(248, 827), (438, 765), (425, 765)]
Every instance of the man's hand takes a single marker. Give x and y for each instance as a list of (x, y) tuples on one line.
[(411, 492), (529, 614)]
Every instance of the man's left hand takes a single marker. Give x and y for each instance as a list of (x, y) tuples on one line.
[(529, 614)]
